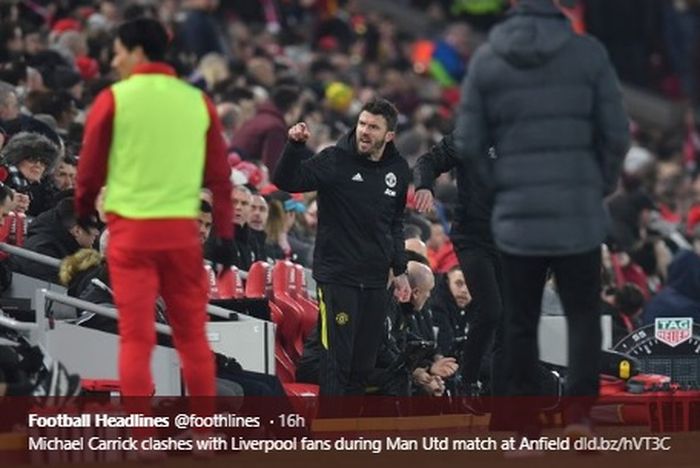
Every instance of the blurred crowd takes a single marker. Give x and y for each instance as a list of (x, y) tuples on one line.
[(270, 63)]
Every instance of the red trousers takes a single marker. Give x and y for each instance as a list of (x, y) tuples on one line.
[(138, 275)]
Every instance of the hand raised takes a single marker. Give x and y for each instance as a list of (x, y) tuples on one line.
[(299, 133)]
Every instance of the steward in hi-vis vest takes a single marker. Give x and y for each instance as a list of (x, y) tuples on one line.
[(154, 141)]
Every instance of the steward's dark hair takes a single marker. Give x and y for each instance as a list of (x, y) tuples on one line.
[(147, 33)]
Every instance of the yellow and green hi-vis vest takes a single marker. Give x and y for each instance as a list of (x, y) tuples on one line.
[(157, 156)]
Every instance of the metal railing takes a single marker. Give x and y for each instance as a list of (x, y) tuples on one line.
[(12, 324), (30, 255), (109, 312), (56, 263)]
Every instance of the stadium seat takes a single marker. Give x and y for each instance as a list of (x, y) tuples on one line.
[(283, 278), (303, 398), (301, 281), (256, 286), (211, 281), (308, 306), (230, 284)]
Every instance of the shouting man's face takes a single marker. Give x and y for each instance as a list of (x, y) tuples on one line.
[(372, 135)]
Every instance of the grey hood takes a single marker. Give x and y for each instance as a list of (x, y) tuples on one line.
[(532, 33)]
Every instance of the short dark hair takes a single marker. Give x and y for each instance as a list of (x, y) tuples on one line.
[(284, 97), (70, 160), (147, 33), (66, 212), (386, 109)]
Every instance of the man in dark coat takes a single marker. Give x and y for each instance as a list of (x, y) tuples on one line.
[(478, 257), (55, 233), (681, 295), (541, 114), (362, 184), (452, 313)]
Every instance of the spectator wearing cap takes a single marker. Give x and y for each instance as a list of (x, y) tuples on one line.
[(283, 240), (58, 234), (25, 159), (263, 137)]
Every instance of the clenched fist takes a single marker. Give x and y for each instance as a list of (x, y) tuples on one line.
[(299, 133)]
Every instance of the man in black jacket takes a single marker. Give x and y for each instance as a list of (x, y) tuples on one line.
[(56, 233), (541, 116), (245, 248), (362, 183), (478, 257)]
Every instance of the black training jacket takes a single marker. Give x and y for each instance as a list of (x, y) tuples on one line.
[(471, 228), (360, 210)]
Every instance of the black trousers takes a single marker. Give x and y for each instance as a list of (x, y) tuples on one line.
[(483, 272), (351, 323), (578, 282)]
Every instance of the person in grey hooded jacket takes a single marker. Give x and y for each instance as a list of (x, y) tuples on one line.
[(541, 116)]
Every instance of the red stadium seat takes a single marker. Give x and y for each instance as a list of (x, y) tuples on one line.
[(309, 307), (303, 398), (230, 284), (300, 273), (256, 286), (284, 367), (283, 278), (211, 281), (225, 284)]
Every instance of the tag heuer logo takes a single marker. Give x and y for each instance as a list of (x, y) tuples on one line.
[(673, 331)]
